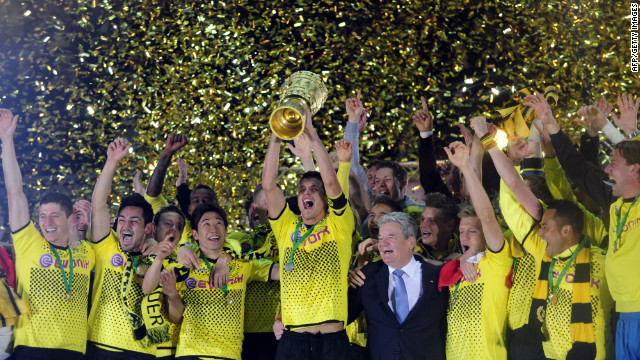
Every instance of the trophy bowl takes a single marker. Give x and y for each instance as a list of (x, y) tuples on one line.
[(302, 90)]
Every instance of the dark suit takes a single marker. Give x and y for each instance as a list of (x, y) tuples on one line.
[(421, 335)]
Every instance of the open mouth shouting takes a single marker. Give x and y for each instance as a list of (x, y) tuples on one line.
[(126, 237), (374, 231), (307, 204)]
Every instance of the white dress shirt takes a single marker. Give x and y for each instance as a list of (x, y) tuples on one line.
[(412, 281)]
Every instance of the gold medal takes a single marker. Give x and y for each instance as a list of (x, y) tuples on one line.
[(553, 299), (69, 296), (229, 300)]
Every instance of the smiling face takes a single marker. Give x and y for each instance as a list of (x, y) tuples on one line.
[(376, 212), (553, 234), (387, 184), (622, 174), (131, 229), (169, 226), (434, 228), (471, 237), (78, 224), (311, 201), (371, 177), (211, 232), (395, 250), (54, 224)]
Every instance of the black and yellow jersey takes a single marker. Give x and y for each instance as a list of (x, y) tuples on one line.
[(622, 256), (109, 326), (262, 301), (558, 317), (477, 312), (212, 324), (315, 291), (54, 321)]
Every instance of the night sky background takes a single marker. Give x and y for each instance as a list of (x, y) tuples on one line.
[(81, 73)]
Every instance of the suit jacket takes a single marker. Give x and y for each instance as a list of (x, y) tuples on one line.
[(422, 334)]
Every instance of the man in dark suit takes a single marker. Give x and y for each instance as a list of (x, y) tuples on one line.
[(404, 310)]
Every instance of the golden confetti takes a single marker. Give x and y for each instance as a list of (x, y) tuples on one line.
[(81, 74)]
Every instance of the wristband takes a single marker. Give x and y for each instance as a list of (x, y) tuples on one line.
[(634, 134), (488, 141), (192, 246)]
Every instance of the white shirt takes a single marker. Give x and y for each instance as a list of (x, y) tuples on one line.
[(412, 281)]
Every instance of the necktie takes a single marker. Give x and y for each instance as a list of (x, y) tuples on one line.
[(402, 300)]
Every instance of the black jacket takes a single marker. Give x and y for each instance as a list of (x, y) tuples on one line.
[(421, 335)]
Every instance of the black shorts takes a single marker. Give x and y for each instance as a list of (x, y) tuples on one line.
[(303, 346), (31, 353), (259, 346), (97, 353)]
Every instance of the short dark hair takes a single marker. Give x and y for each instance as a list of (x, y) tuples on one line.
[(567, 213), (314, 175), (250, 199), (168, 209), (630, 151), (447, 206), (138, 201), (207, 189), (202, 209), (398, 171), (539, 187), (64, 201), (386, 200)]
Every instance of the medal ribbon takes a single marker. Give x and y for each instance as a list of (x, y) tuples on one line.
[(225, 288), (620, 224), (67, 284), (299, 240), (554, 288)]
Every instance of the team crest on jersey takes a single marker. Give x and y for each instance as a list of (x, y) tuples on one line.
[(46, 260), (117, 260), (190, 283)]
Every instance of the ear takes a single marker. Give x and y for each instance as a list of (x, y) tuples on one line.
[(195, 234), (148, 229), (634, 171), (412, 241), (566, 230)]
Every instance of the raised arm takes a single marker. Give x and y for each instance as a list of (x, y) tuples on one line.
[(573, 164), (18, 204), (174, 142), (357, 115), (481, 203), (302, 149), (430, 178), (325, 165), (100, 217), (628, 120), (506, 170), (275, 197)]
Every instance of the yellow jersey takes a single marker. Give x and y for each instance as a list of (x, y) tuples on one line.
[(621, 264), (54, 321), (315, 291), (477, 313), (212, 324), (109, 326)]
